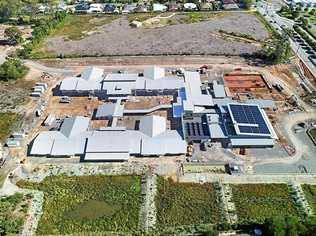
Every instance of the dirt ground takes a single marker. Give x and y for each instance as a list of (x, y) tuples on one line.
[(118, 38), (284, 72), (147, 102), (79, 106), (130, 121)]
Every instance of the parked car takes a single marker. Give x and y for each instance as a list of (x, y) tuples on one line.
[(157, 7), (141, 9), (95, 8), (82, 8), (128, 8), (189, 6), (111, 8)]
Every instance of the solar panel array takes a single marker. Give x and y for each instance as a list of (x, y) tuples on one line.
[(196, 130), (250, 119)]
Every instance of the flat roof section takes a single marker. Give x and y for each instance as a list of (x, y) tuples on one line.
[(253, 142)]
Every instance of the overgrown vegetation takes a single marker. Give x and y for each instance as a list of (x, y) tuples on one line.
[(14, 93), (289, 225), (278, 50), (75, 27), (257, 202), (12, 69), (43, 27), (13, 35), (87, 204), (180, 204), (271, 30), (195, 17), (13, 211), (238, 35), (8, 121), (310, 193)]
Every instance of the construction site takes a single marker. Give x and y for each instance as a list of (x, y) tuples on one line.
[(238, 84)]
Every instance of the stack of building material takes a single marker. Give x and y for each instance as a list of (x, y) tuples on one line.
[(39, 89)]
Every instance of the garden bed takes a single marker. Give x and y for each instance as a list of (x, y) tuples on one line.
[(13, 212), (257, 202), (181, 204), (88, 204), (310, 194), (8, 121)]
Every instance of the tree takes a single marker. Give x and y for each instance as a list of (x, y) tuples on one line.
[(12, 69), (14, 35), (295, 14), (247, 4), (276, 226), (278, 51), (10, 8)]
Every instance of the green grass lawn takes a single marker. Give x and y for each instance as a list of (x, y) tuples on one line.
[(88, 204), (7, 122), (76, 26), (13, 211), (256, 202), (186, 204), (313, 133), (310, 194)]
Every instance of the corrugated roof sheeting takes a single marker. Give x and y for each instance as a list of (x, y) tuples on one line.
[(74, 125), (108, 142), (92, 73), (154, 72), (219, 90), (194, 96), (68, 147), (152, 125), (110, 110), (251, 142)]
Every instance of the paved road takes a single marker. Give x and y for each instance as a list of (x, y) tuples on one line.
[(244, 179), (276, 21), (288, 122)]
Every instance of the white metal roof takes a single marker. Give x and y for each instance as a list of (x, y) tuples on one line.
[(74, 125), (153, 125), (92, 73), (110, 110), (154, 72), (194, 96), (219, 90), (251, 142)]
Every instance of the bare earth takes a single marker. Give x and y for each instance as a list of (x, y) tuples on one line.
[(118, 38)]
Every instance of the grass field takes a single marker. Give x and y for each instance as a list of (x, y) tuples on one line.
[(7, 122), (256, 202), (312, 133), (13, 211), (310, 194), (76, 26), (186, 204), (88, 204)]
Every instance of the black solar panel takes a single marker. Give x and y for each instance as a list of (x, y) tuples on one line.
[(245, 114)]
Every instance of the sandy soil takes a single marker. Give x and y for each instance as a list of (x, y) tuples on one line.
[(118, 38), (147, 102)]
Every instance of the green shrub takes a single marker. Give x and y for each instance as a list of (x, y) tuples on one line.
[(12, 69)]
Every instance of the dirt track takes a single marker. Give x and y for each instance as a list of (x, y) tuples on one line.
[(117, 62), (118, 38)]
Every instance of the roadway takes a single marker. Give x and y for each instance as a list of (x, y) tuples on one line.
[(269, 12)]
